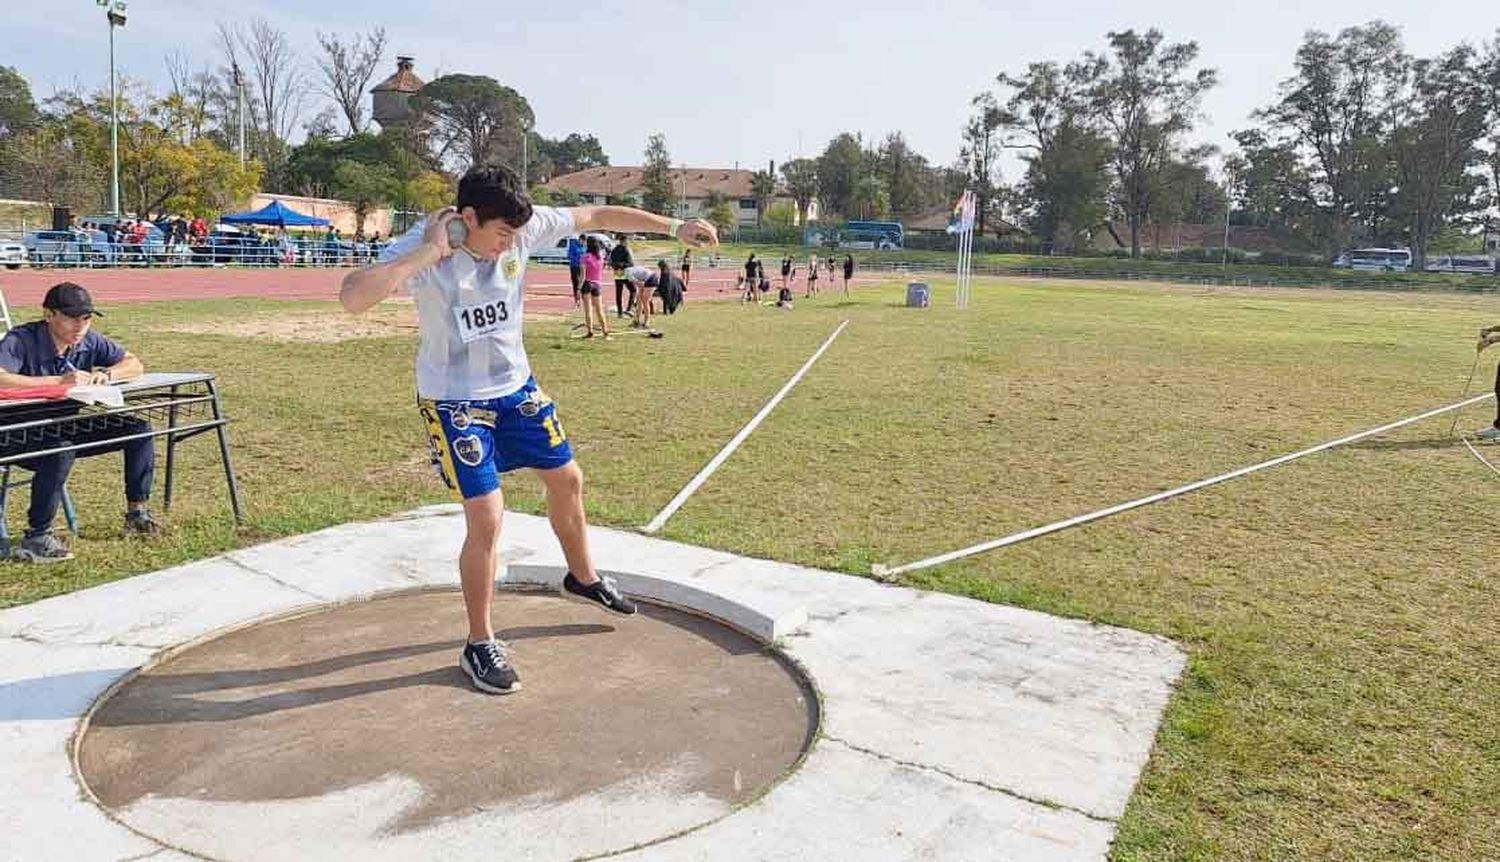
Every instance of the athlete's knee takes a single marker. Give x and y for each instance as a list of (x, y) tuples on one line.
[(482, 517), (566, 482)]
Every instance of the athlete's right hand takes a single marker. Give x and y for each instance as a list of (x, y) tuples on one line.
[(436, 234)]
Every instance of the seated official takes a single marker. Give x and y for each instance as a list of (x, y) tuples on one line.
[(63, 349)]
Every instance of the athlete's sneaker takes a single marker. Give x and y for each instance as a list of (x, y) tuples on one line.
[(42, 548), (489, 668), (604, 593), (1488, 435)]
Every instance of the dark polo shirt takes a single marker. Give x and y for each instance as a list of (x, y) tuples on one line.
[(28, 350)]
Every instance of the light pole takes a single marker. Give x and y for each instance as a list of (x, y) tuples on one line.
[(239, 102), (115, 12)]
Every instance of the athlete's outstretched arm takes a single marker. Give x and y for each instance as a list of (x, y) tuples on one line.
[(694, 232), (364, 288)]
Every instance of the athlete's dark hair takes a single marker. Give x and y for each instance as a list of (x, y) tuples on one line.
[(495, 192), (591, 246)]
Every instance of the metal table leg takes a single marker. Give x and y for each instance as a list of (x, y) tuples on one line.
[(234, 490)]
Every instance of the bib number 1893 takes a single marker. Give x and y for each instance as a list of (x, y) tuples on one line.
[(476, 321)]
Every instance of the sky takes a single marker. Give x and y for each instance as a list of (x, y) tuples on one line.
[(744, 83)]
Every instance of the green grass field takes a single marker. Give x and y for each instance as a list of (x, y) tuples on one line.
[(1339, 612)]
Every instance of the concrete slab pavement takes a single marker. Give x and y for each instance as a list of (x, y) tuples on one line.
[(951, 729)]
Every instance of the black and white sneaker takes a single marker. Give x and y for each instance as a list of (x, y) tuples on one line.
[(489, 668), (604, 593)]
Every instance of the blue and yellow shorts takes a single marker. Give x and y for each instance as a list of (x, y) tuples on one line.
[(473, 442)]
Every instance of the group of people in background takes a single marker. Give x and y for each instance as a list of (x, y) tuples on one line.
[(637, 288)]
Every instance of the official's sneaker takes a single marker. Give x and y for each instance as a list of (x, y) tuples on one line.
[(140, 523), (488, 667), (42, 548), (1490, 434), (604, 593)]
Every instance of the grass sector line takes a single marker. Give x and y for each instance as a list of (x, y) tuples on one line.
[(1057, 526), (687, 490)]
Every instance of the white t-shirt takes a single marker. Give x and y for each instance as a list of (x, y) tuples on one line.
[(469, 311)]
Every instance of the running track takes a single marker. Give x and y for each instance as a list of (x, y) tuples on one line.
[(548, 289)]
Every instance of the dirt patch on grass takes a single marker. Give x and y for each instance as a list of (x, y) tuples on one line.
[(317, 327)]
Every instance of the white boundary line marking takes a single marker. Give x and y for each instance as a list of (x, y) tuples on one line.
[(1037, 532), (1483, 460), (687, 490)]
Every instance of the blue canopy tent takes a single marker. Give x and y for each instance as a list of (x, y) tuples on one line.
[(275, 213)]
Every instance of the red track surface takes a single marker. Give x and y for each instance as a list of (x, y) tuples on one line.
[(547, 287)]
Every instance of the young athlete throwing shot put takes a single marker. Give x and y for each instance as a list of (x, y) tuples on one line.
[(484, 413)]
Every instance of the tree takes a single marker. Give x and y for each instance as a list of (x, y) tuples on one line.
[(17, 109), (717, 210), (278, 88), (556, 197), (1331, 119), (474, 119), (158, 173), (427, 191), (763, 187), (979, 154), (780, 215), (1145, 96), (656, 179), (1066, 186), (364, 187), (1271, 185), (1439, 120), (188, 109), (347, 69), (574, 153), (870, 199), (1063, 192), (913, 187), (42, 164), (839, 169), (310, 166), (801, 177), (1187, 193)]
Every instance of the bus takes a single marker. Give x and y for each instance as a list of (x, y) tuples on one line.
[(883, 235), (1376, 259)]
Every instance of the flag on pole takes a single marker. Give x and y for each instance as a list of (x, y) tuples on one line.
[(962, 218)]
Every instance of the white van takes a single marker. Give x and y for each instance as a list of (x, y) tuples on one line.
[(1477, 264)]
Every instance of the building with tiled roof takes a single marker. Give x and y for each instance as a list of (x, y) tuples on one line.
[(691, 187), (392, 96)]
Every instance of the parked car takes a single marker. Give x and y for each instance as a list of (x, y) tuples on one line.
[(52, 248), (12, 253), (559, 252)]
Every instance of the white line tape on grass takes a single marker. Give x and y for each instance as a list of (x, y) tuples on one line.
[(1016, 538), (1483, 460), (687, 491)]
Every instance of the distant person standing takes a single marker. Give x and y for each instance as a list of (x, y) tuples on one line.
[(687, 266), (593, 273), (848, 271), (812, 274), (620, 260), (750, 278), (575, 265), (786, 269)]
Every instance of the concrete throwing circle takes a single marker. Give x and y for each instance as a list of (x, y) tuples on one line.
[(350, 732)]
